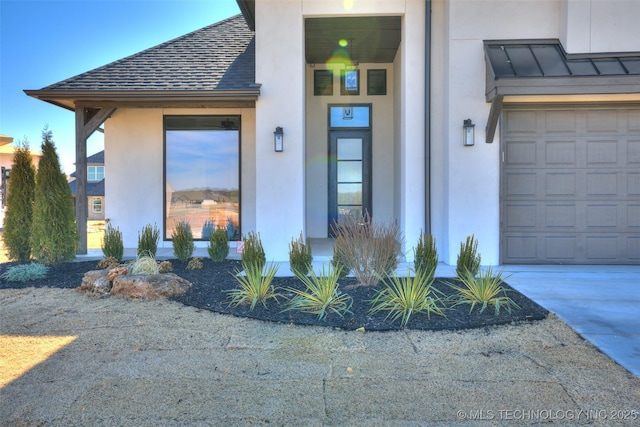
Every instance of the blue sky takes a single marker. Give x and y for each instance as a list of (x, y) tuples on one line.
[(45, 41)]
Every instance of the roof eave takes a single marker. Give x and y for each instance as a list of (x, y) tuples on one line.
[(71, 99)]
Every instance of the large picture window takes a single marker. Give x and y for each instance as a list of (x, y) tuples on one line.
[(202, 174)]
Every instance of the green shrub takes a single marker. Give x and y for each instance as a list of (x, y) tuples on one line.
[(144, 264), (25, 272), (468, 258), (148, 240), (112, 246), (425, 253), (300, 257), (402, 297), (369, 250), (321, 295), (54, 236), (218, 247), (484, 291), (19, 204), (255, 285), (182, 238), (252, 252), (194, 264)]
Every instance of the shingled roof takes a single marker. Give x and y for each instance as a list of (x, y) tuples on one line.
[(217, 60)]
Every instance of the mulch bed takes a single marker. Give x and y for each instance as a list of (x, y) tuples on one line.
[(212, 283)]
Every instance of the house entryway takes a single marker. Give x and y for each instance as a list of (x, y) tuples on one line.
[(349, 162)]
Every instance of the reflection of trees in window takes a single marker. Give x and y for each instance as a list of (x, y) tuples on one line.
[(202, 173)]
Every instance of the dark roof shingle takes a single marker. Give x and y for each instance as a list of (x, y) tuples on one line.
[(220, 56)]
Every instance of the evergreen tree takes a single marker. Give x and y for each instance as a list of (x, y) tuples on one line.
[(54, 237), (19, 202)]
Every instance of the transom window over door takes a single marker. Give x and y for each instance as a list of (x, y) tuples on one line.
[(202, 174)]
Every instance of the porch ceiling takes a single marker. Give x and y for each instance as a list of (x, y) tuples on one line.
[(370, 39)]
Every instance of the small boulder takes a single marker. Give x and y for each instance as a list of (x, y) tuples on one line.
[(149, 286), (96, 281)]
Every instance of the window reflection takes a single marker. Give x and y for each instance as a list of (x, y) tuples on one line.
[(202, 178)]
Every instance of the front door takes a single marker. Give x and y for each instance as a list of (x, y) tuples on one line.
[(349, 174)]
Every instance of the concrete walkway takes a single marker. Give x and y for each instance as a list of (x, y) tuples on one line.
[(601, 303)]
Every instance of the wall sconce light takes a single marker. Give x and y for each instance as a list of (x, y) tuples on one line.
[(278, 140), (469, 137)]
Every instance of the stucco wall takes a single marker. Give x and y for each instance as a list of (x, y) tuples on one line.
[(600, 26), (134, 143)]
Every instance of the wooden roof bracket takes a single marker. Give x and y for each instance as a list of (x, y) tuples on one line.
[(494, 116)]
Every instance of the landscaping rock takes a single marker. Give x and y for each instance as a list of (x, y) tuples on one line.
[(96, 281), (150, 286)]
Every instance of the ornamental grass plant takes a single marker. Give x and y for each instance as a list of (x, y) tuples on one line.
[(404, 296), (321, 295), (144, 264), (370, 250), (255, 285), (483, 291)]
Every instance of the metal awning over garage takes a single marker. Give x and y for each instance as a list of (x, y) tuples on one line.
[(542, 67)]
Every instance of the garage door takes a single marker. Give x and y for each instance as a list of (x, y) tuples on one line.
[(570, 186)]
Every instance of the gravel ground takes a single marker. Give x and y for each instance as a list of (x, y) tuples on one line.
[(69, 359)]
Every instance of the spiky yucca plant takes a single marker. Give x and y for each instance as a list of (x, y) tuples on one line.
[(404, 296), (484, 290), (255, 285), (321, 295)]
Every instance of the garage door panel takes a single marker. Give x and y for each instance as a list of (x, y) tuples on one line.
[(633, 184), (633, 152), (633, 251), (560, 122), (560, 184), (602, 121), (571, 194), (602, 153), (560, 153)]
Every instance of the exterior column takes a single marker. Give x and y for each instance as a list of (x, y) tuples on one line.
[(82, 209)]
